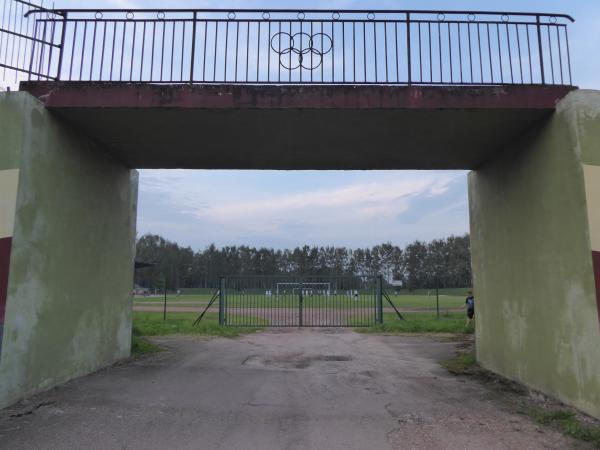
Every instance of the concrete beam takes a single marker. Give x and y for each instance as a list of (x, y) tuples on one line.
[(299, 127)]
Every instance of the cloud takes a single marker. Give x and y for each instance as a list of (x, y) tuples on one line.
[(292, 208)]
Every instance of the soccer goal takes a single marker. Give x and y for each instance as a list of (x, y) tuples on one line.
[(307, 289)]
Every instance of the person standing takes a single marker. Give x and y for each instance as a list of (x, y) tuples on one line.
[(470, 306)]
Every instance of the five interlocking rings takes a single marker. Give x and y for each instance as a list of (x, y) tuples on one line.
[(310, 49)]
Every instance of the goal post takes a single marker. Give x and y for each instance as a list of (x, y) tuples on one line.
[(306, 288)]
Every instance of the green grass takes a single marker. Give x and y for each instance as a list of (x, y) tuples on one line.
[(152, 324), (422, 322), (141, 347), (463, 363), (568, 423)]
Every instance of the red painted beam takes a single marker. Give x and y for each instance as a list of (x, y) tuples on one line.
[(596, 265), (5, 247), (125, 95)]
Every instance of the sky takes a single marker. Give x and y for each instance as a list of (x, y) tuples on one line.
[(349, 208)]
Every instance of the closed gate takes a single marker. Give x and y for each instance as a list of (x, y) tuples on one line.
[(292, 301)]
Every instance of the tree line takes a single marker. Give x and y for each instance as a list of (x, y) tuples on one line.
[(444, 263)]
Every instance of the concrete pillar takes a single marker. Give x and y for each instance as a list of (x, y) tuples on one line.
[(535, 235), (67, 241)]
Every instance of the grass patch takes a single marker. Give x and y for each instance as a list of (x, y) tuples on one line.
[(422, 323), (568, 423), (152, 324), (464, 363), (141, 347)]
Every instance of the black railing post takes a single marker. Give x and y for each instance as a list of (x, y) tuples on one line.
[(62, 46), (193, 57), (222, 301), (379, 293), (540, 49), (408, 50), (300, 300)]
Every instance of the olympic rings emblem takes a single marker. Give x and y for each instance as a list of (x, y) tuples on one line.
[(309, 49)]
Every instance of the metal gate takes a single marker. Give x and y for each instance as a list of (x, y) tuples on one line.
[(294, 301)]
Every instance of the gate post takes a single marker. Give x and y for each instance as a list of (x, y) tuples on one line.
[(221, 300), (300, 299), (379, 306)]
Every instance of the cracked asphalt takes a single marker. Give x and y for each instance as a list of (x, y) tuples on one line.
[(293, 389)]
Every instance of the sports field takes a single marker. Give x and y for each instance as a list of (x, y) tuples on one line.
[(403, 302)]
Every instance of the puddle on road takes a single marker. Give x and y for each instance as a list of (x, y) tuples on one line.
[(293, 360)]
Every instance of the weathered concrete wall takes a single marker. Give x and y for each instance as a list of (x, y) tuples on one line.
[(531, 216), (68, 307)]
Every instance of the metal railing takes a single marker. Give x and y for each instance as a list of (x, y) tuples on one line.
[(295, 47)]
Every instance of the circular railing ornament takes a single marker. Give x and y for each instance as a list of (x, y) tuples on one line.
[(471, 17), (371, 15), (553, 19), (310, 56), (98, 15), (505, 18), (441, 17), (130, 15), (160, 15), (266, 15), (301, 15), (231, 15), (336, 15)]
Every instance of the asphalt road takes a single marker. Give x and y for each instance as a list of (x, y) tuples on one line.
[(296, 389)]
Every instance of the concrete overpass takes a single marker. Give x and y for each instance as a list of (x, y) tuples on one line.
[(70, 141)]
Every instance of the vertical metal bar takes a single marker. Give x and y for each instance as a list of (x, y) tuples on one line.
[(549, 49), (112, 58), (379, 300), (123, 52), (540, 50), (132, 50), (172, 50), (182, 50), (237, 41), (420, 55), (470, 51), (215, 55), (480, 54), (408, 50), (300, 301), (512, 80), (460, 66), (204, 52), (103, 50), (568, 54), (162, 50), (520, 56), (62, 46), (562, 81), (343, 52), (440, 50), (221, 301), (489, 40), (500, 54), (93, 49), (193, 55), (397, 52), (143, 51), (354, 52), (450, 54), (226, 49), (247, 47), (529, 53), (365, 50), (385, 45), (258, 52)]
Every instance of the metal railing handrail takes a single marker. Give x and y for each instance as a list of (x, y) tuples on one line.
[(61, 11)]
